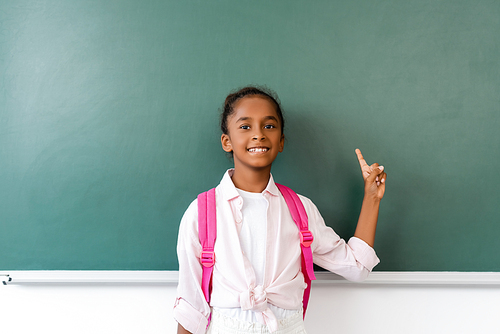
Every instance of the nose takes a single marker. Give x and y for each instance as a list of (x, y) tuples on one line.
[(258, 135)]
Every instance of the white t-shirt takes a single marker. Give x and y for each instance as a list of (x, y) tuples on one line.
[(253, 236)]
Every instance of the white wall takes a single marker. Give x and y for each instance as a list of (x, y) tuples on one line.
[(383, 309), (334, 308), (87, 308)]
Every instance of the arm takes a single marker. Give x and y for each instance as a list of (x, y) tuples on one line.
[(352, 260), (374, 178), (181, 330), (191, 310)]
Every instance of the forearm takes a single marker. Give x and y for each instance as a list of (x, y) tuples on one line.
[(181, 330), (367, 222)]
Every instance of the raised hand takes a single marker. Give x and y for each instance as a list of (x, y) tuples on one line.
[(374, 177)]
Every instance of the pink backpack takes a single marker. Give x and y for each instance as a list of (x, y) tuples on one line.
[(207, 232)]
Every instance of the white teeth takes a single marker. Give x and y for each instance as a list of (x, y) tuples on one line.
[(258, 149)]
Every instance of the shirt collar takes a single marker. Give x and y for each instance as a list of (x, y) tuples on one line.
[(229, 191)]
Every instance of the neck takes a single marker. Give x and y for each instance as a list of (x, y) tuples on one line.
[(254, 181)]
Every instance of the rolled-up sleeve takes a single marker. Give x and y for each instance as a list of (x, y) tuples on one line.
[(363, 253), (191, 309), (353, 260)]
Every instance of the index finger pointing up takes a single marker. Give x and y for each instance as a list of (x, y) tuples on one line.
[(361, 160)]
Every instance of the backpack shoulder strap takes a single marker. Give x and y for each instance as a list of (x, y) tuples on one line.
[(299, 216), (207, 232)]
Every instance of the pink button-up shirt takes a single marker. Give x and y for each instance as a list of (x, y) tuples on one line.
[(233, 281)]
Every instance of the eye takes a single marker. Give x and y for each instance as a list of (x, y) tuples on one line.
[(269, 126), (244, 127)]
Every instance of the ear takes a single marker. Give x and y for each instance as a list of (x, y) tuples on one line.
[(282, 143), (226, 143)]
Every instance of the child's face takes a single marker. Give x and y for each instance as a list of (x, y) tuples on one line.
[(254, 133)]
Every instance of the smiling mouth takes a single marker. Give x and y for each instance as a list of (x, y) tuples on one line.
[(258, 149)]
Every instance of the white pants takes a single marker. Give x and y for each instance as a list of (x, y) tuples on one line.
[(221, 324)]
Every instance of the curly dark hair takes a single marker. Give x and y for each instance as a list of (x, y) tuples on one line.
[(231, 99)]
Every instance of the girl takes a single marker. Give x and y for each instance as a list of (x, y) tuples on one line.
[(257, 282)]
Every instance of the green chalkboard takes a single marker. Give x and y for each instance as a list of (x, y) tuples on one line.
[(109, 122)]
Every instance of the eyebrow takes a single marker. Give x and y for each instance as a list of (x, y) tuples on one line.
[(241, 119)]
